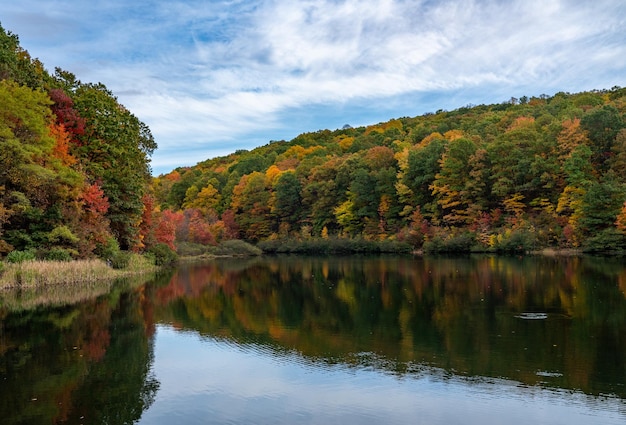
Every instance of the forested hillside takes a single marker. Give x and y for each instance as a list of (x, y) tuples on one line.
[(74, 163), (545, 171)]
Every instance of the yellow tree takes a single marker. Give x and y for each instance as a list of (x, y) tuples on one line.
[(450, 184), (206, 200), (571, 136), (250, 201)]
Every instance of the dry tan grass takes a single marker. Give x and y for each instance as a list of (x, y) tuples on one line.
[(29, 298), (44, 273), (34, 283)]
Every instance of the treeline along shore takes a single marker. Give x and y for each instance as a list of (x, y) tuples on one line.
[(527, 174)]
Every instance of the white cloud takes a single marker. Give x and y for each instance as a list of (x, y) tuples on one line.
[(219, 73)]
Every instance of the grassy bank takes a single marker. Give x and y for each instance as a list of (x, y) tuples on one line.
[(36, 273)]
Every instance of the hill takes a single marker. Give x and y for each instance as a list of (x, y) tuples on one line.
[(546, 171)]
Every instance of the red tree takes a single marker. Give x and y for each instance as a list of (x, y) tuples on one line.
[(66, 115)]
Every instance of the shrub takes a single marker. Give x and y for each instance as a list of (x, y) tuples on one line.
[(190, 249), (57, 254), (62, 235), (140, 264), (327, 246), (513, 241), (120, 260), (20, 256), (452, 244), (107, 250), (163, 254), (607, 240), (239, 247)]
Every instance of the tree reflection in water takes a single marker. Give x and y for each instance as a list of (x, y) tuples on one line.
[(465, 315), (83, 363), (548, 322)]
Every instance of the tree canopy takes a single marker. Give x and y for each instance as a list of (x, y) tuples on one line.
[(547, 171), (73, 161)]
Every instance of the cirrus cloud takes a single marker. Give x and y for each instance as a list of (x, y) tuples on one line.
[(210, 77)]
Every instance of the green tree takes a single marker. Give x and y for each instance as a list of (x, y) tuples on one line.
[(35, 185), (602, 125), (450, 184), (602, 203), (16, 63), (115, 149), (287, 205), (324, 189), (423, 166)]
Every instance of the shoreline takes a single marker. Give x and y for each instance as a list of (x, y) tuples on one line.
[(41, 274)]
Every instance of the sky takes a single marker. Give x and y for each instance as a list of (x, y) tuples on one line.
[(210, 77)]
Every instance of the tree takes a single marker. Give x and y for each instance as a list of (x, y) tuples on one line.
[(66, 116), (620, 221), (115, 149), (601, 204), (91, 225), (166, 227), (602, 125), (16, 63), (250, 201), (349, 222), (31, 178), (198, 228), (571, 136), (450, 184), (206, 200), (287, 204), (324, 189)]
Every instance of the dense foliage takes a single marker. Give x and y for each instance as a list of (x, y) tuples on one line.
[(75, 182), (74, 164), (545, 171)]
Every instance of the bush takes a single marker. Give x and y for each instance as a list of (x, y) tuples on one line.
[(62, 235), (452, 244), (333, 246), (108, 250), (190, 249), (239, 247), (606, 241), (120, 260), (20, 256), (162, 254), (57, 254), (516, 241)]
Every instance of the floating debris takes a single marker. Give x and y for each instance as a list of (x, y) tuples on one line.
[(532, 316), (548, 374)]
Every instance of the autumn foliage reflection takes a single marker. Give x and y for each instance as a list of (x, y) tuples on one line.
[(464, 315), (64, 364)]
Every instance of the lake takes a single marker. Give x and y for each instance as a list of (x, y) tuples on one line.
[(328, 340)]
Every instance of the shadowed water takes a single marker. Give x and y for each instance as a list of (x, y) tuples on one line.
[(357, 340)]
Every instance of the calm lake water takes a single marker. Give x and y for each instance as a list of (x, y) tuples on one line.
[(355, 340)]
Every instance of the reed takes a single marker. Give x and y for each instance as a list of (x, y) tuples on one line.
[(30, 274), (24, 299)]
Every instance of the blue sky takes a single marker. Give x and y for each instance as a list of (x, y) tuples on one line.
[(210, 77)]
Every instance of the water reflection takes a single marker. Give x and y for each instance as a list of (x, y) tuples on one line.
[(328, 340), (215, 381), (81, 363), (468, 316)]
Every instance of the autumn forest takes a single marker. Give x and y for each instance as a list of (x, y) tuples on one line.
[(546, 171)]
